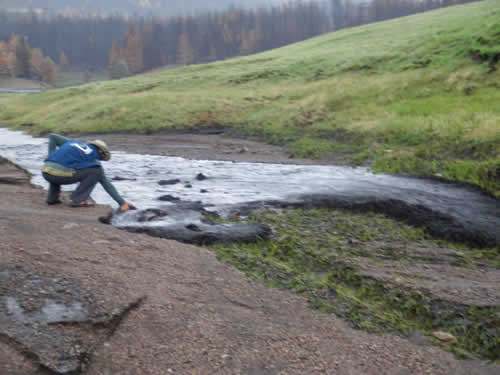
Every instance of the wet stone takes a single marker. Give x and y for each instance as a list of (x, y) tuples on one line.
[(201, 177), (118, 178), (169, 182), (168, 198)]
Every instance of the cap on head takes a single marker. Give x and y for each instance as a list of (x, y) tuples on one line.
[(101, 145)]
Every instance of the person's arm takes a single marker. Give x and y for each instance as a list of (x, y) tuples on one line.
[(56, 140), (111, 190)]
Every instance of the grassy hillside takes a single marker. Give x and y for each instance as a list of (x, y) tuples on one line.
[(418, 94)]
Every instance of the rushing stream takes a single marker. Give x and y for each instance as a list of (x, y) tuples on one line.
[(447, 209)]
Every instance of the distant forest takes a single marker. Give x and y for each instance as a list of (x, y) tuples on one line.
[(133, 45), (131, 7)]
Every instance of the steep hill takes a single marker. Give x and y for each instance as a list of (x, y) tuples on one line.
[(417, 94)]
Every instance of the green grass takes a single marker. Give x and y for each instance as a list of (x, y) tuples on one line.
[(314, 253), (413, 95)]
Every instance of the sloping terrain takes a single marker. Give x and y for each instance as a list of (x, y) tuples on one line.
[(412, 95), (84, 297)]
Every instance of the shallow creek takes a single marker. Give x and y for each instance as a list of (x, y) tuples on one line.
[(229, 186)]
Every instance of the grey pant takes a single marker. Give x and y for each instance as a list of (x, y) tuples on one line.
[(87, 178)]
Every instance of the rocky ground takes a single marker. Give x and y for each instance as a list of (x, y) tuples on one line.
[(77, 296)]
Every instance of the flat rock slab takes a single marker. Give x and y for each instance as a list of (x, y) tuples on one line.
[(53, 319), (459, 285), (201, 316)]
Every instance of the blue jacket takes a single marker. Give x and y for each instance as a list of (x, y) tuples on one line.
[(76, 154)]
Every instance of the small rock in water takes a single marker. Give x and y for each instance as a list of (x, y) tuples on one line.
[(445, 337), (118, 178), (201, 177), (189, 186), (168, 198), (169, 182), (203, 191)]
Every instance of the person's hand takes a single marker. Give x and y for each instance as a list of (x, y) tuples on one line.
[(127, 206)]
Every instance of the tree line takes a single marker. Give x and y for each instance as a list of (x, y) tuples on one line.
[(18, 59), (133, 45)]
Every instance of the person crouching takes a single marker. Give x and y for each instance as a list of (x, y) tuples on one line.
[(71, 161)]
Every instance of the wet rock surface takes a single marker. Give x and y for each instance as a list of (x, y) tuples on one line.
[(203, 234), (481, 231), (188, 222), (52, 319), (426, 211)]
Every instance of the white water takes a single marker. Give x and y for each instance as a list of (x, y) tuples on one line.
[(227, 183), (231, 183)]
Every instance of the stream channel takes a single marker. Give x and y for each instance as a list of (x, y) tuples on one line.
[(193, 189)]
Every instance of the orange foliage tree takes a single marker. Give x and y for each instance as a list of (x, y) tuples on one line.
[(48, 70), (134, 51), (4, 53), (36, 62)]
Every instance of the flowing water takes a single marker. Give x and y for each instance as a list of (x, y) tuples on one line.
[(236, 183)]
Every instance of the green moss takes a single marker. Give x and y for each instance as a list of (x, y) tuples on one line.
[(311, 255)]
